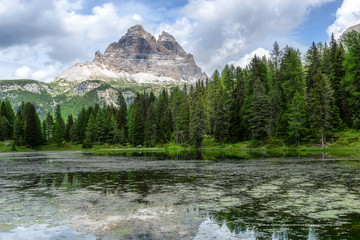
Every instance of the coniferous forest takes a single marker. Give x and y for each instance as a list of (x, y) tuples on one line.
[(288, 97)]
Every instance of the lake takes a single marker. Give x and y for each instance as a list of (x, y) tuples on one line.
[(181, 195)]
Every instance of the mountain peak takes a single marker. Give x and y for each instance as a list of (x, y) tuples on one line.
[(139, 53), (164, 36), (137, 30)]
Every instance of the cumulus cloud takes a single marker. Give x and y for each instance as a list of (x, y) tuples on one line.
[(46, 73), (227, 29), (246, 59), (346, 16), (44, 33)]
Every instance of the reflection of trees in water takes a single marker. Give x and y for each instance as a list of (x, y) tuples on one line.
[(242, 221)]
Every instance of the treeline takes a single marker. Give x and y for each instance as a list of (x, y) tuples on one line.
[(286, 97)]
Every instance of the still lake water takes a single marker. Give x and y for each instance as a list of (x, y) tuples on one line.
[(73, 195)]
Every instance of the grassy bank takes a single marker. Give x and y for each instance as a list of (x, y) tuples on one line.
[(342, 141)]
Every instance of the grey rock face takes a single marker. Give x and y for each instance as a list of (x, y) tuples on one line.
[(139, 52), (347, 31), (86, 86)]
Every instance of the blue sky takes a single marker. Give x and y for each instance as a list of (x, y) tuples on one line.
[(41, 38)]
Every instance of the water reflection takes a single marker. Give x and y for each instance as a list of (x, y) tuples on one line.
[(182, 195)]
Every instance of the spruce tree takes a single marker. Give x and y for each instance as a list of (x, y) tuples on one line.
[(91, 129), (138, 121), (150, 127), (312, 65), (69, 124), (100, 125), (297, 117), (114, 132), (32, 126), (122, 118), (352, 75), (235, 127), (198, 115), (259, 112), (319, 106), (5, 129), (19, 129)]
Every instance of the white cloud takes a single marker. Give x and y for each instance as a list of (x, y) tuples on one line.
[(226, 29), (43, 33), (246, 59), (45, 74), (346, 16), (22, 72)]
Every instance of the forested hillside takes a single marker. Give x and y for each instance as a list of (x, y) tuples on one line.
[(283, 98)]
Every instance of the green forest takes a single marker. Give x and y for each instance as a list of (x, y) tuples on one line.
[(288, 97)]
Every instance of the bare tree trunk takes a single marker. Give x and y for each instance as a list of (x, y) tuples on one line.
[(322, 140)]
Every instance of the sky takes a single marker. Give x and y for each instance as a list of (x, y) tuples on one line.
[(41, 38)]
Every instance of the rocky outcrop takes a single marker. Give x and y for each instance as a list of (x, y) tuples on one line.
[(139, 57), (347, 31), (24, 85)]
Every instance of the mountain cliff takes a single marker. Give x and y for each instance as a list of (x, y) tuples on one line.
[(137, 62), (347, 31), (138, 58)]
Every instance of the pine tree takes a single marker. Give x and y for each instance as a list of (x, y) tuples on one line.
[(32, 126), (81, 124), (163, 118), (319, 105), (59, 126), (150, 127), (352, 75), (91, 129), (297, 116), (235, 128), (74, 136), (122, 118), (259, 112), (138, 121), (69, 124), (312, 65), (177, 100), (217, 108), (114, 132), (276, 55), (100, 125), (19, 129), (58, 134), (198, 115), (5, 129), (292, 81)]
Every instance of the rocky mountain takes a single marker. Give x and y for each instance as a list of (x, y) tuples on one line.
[(137, 58), (137, 62), (347, 31)]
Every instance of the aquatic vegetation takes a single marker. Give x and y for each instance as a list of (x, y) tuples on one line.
[(152, 195)]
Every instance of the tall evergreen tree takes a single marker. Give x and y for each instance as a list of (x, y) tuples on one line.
[(297, 116), (235, 128), (352, 75), (19, 129), (259, 112), (69, 124), (312, 65), (122, 118), (138, 121), (91, 129), (150, 127), (198, 115), (32, 126), (319, 105)]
